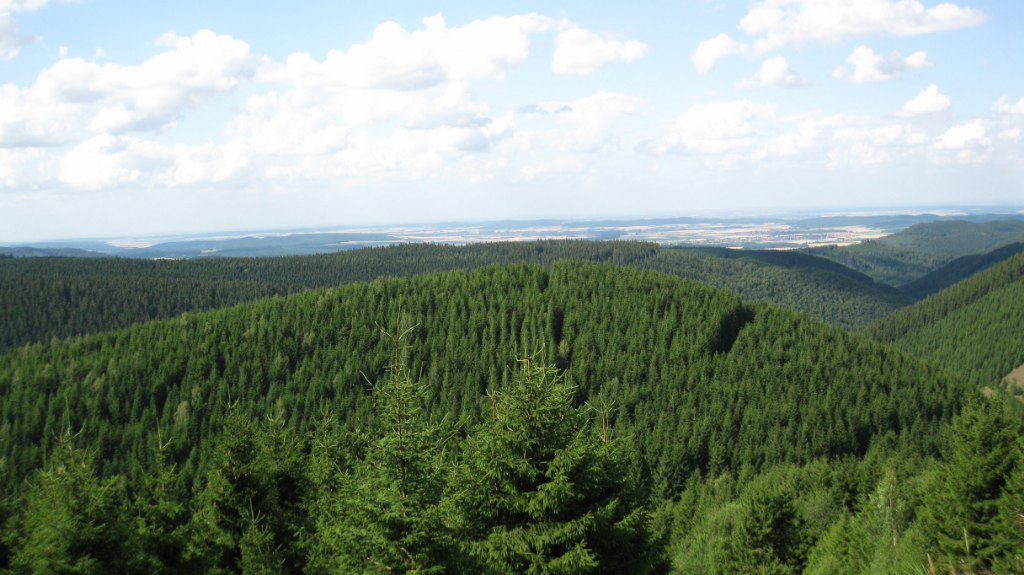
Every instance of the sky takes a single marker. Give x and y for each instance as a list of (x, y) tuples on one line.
[(122, 119)]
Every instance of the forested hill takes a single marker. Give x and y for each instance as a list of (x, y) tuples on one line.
[(45, 298), (972, 328), (809, 284), (740, 383), (723, 436), (903, 257), (959, 270)]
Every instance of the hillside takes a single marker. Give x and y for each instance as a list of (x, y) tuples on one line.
[(903, 257), (958, 270), (691, 431), (654, 344), (972, 327), (812, 285), (45, 298)]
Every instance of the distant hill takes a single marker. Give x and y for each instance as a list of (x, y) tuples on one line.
[(713, 383), (30, 252), (45, 298), (959, 270), (974, 328), (908, 255), (812, 285)]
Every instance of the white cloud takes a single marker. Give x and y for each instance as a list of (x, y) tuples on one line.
[(74, 98), (1010, 135), (106, 161), (860, 142), (579, 51), (927, 101), (778, 23), (794, 143), (868, 66), (714, 128), (773, 24), (583, 125), (963, 136), (397, 59), (1004, 106), (710, 51), (12, 39), (102, 161), (773, 72)]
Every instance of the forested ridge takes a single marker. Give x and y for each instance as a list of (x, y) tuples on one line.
[(959, 270), (677, 427), (44, 298), (901, 258), (973, 327)]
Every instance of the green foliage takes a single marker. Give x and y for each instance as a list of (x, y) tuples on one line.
[(250, 512), (1009, 537), (961, 505), (162, 521), (972, 328), (960, 269), (880, 538), (706, 382), (43, 298), (542, 492), (385, 516), (903, 257), (74, 521), (811, 285), (246, 440)]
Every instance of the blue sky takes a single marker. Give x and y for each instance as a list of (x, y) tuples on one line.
[(148, 118)]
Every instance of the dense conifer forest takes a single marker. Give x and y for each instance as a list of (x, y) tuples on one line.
[(901, 258), (972, 328), (45, 298), (552, 407), (630, 421)]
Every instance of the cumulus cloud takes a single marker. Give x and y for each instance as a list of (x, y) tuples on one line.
[(773, 72), (865, 65), (963, 136), (710, 51), (782, 22), (107, 161), (12, 39), (715, 127), (1010, 135), (795, 142), (1004, 106), (927, 101), (861, 143), (773, 24), (397, 59), (582, 125), (74, 98), (579, 51)]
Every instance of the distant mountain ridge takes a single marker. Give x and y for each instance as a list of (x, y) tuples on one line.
[(45, 298), (908, 255), (959, 270), (973, 327)]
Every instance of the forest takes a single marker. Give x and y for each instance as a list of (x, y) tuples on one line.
[(46, 298), (550, 407)]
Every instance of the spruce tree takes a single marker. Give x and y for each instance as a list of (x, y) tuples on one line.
[(541, 491), (74, 521), (384, 515), (256, 491), (961, 506), (1009, 536), (162, 519), (766, 538)]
